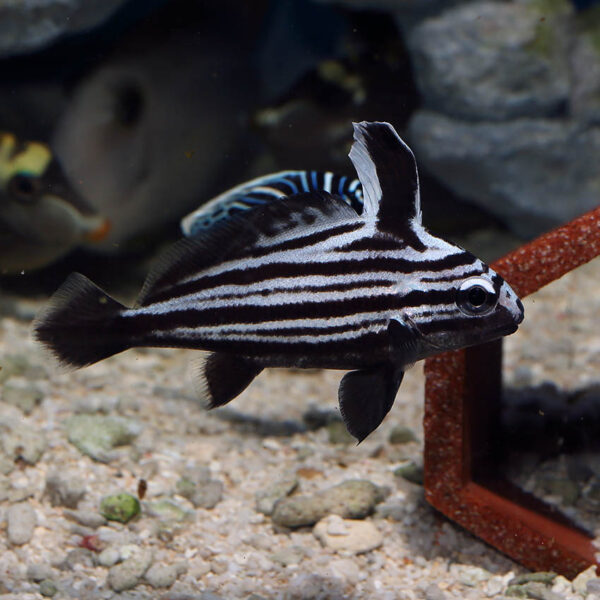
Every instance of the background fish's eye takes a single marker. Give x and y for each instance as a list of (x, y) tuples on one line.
[(23, 187), (476, 296)]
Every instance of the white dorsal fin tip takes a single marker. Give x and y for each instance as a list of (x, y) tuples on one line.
[(365, 169)]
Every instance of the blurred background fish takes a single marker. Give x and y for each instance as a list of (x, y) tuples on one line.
[(41, 218)]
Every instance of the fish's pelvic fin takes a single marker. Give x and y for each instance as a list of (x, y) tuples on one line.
[(77, 324), (222, 377), (387, 171), (366, 396)]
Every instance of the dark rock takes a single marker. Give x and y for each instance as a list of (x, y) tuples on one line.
[(534, 174), (492, 61), (28, 25)]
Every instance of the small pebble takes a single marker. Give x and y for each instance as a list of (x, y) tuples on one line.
[(38, 572), (21, 441), (347, 536), (469, 575), (128, 574), (401, 434), (316, 418), (19, 365), (169, 510), (268, 497), (6, 464), (162, 576), (109, 556), (580, 583), (207, 495), (289, 556), (546, 577), (64, 491), (338, 434), (78, 556), (5, 488), (22, 394), (219, 565), (120, 507), (353, 499), (433, 592), (48, 588), (86, 518), (98, 435), (411, 472), (21, 521)]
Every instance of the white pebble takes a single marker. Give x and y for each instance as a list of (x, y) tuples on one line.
[(21, 522), (359, 536)]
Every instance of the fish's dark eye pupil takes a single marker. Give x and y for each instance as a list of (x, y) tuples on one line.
[(477, 296), (22, 186)]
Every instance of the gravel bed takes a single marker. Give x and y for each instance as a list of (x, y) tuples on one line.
[(265, 498)]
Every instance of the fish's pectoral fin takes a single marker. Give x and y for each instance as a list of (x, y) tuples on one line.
[(403, 338), (387, 171), (366, 396), (222, 377)]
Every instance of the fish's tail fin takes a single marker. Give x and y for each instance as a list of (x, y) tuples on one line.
[(79, 324)]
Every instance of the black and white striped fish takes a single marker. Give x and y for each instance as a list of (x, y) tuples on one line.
[(304, 281)]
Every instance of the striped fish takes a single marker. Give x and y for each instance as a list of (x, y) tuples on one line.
[(304, 281)]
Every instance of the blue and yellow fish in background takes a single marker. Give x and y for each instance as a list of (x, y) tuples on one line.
[(301, 269), (41, 219)]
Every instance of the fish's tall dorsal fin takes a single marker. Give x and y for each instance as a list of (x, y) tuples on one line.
[(387, 171), (229, 238)]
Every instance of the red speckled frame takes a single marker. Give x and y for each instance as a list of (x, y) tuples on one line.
[(462, 408)]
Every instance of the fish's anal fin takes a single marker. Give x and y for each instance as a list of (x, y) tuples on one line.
[(366, 396), (387, 171), (221, 377)]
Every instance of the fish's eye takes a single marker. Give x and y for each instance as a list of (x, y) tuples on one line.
[(23, 187), (476, 296)]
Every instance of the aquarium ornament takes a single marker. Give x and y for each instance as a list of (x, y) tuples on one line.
[(462, 409)]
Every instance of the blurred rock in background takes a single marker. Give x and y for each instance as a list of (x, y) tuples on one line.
[(509, 104), (152, 108)]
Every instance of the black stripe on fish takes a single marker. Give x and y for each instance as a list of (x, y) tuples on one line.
[(239, 274), (229, 238)]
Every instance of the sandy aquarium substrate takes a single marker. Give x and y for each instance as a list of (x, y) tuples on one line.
[(224, 487)]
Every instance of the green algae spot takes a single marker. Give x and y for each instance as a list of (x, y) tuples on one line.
[(120, 507)]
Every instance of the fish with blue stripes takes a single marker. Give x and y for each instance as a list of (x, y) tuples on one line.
[(303, 279), (268, 188)]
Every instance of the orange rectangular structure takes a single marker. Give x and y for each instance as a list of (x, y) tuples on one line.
[(462, 412)]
